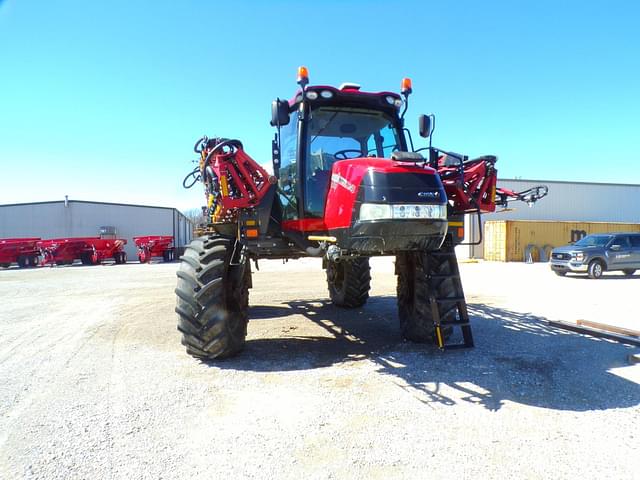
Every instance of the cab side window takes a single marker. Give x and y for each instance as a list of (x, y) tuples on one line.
[(635, 241), (622, 240)]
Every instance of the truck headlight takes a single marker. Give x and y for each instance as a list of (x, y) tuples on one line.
[(578, 256), (380, 211)]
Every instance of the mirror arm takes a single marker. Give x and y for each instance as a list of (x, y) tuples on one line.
[(410, 138)]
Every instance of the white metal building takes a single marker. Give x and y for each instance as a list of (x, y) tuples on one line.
[(566, 201), (77, 218)]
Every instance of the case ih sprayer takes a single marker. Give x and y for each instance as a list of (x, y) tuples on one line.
[(347, 185)]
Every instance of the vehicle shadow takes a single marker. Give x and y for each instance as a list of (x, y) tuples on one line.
[(605, 276), (518, 357)]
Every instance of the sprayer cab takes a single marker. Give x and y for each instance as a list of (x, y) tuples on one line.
[(344, 171)]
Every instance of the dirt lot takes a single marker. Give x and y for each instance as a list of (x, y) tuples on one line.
[(95, 384)]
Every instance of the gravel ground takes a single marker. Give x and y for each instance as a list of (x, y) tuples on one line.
[(95, 384)]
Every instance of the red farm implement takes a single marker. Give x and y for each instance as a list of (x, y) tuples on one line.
[(22, 251), (155, 246), (89, 250)]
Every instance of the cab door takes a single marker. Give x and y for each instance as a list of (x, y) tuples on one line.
[(620, 253), (635, 250)]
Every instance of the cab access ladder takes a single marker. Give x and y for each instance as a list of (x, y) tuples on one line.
[(446, 297)]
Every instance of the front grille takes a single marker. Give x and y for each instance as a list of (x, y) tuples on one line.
[(561, 256)]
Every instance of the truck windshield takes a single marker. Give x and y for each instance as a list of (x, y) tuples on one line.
[(338, 134), (593, 241)]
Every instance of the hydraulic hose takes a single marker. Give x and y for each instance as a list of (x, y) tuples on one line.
[(196, 176)]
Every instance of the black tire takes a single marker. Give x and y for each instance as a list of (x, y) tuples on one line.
[(212, 298), (629, 271), (33, 261), (22, 261), (414, 289), (559, 273), (349, 282), (5, 265), (596, 269)]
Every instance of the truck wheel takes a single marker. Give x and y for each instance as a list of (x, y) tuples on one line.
[(22, 261), (414, 307), (349, 282), (596, 268), (213, 298), (629, 271)]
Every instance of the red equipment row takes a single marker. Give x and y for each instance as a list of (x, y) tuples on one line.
[(90, 250), (30, 252)]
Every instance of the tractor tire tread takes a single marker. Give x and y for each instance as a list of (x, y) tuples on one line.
[(353, 291), (414, 292), (212, 299)]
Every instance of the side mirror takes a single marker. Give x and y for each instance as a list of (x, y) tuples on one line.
[(616, 247), (424, 125), (279, 113)]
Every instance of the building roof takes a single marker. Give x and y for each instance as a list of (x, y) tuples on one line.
[(95, 203), (84, 201)]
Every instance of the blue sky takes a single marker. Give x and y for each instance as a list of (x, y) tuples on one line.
[(104, 100)]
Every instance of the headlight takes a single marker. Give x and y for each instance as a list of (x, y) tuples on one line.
[(375, 211), (578, 256), (380, 211)]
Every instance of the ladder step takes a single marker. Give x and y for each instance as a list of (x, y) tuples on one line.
[(454, 323), (440, 253), (444, 275), (457, 346), (449, 299)]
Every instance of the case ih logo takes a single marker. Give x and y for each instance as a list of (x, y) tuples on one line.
[(428, 194), (343, 182)]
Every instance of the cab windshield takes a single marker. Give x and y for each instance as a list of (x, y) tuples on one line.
[(593, 241), (337, 134)]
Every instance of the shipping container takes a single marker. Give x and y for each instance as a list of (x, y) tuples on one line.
[(530, 240)]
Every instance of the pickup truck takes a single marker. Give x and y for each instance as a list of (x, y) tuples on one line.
[(597, 253)]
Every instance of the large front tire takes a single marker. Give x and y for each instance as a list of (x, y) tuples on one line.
[(414, 290), (349, 282), (213, 298)]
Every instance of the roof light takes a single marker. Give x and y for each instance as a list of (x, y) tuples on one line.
[(311, 95), (303, 76), (406, 86), (390, 99), (349, 86), (326, 94)]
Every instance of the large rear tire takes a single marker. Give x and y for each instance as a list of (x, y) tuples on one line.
[(349, 282), (414, 289), (213, 298)]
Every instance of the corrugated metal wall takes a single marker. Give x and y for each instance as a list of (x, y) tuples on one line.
[(80, 219), (569, 201)]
